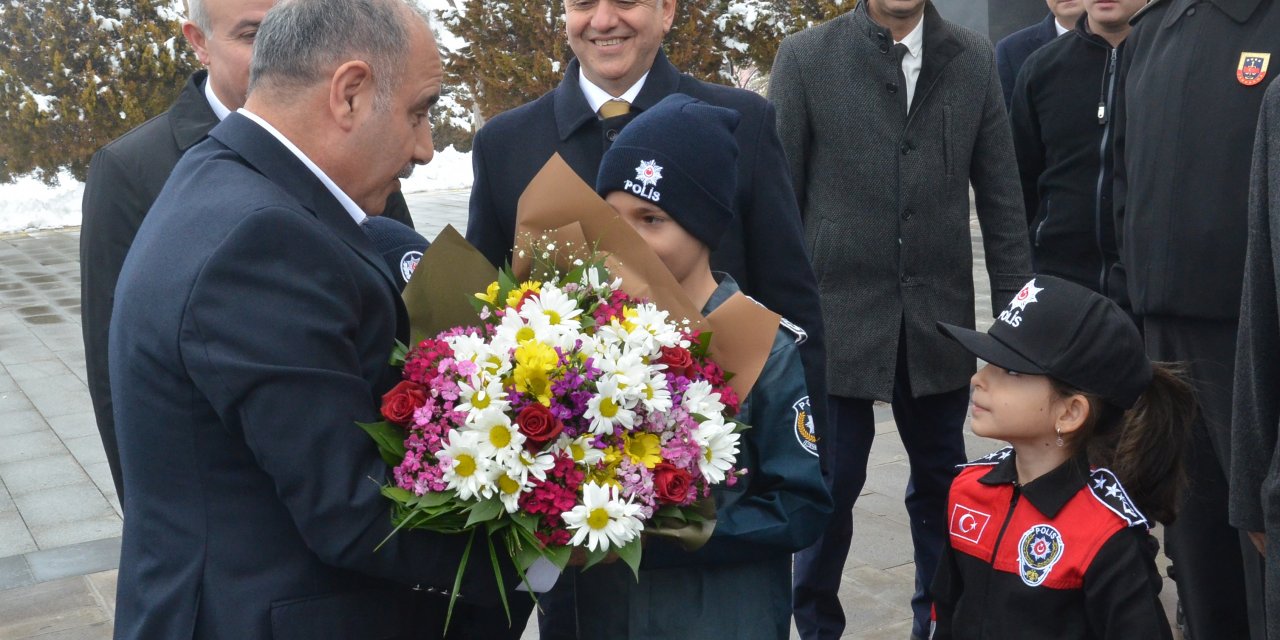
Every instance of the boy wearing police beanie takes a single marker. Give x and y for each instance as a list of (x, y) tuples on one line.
[(670, 174)]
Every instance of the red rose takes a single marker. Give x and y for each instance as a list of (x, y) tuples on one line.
[(401, 401), (538, 425), (678, 360), (671, 483)]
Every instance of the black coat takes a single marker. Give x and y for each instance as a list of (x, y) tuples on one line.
[(124, 179), (1186, 127), (1064, 133), (1014, 49), (762, 249), (251, 331)]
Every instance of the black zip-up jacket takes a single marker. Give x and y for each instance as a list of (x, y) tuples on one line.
[(1192, 80), (1066, 556), (1063, 132)]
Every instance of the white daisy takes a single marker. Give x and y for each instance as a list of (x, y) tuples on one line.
[(699, 398), (483, 395), (580, 450), (466, 470), (608, 407), (654, 394), (627, 370), (495, 433), (523, 465), (559, 310), (509, 490), (719, 449), (476, 349), (603, 519)]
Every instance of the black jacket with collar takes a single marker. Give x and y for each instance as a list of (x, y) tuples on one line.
[(1067, 556), (125, 177), (1013, 50), (1186, 125), (1064, 133)]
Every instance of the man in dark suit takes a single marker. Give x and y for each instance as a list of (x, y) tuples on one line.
[(619, 69), (1015, 48), (252, 326), (888, 114), (126, 175)]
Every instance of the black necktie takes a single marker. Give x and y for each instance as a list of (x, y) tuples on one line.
[(900, 52)]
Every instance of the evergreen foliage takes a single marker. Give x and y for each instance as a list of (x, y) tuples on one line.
[(75, 74)]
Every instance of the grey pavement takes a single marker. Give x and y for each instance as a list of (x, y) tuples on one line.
[(60, 521)]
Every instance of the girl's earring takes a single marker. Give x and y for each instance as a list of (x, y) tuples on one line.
[(1060, 443)]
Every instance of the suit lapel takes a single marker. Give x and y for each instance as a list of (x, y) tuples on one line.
[(191, 117), (270, 158)]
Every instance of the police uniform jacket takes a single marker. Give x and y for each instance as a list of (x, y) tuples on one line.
[(738, 585), (1193, 81), (885, 194), (125, 177), (1067, 556), (1064, 135)]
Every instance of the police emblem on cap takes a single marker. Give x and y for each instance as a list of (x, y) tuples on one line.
[(1039, 549), (649, 173), (1012, 316), (409, 263), (804, 426), (1252, 68)]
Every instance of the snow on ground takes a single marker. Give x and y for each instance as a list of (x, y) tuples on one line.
[(29, 204)]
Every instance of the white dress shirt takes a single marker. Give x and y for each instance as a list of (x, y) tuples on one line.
[(219, 109), (347, 203), (1059, 28), (914, 59), (596, 96)]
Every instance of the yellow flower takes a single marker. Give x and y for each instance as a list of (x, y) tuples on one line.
[(513, 298), (534, 363), (490, 294), (644, 448)]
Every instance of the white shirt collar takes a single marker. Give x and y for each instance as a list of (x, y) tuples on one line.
[(915, 40), (596, 96), (219, 109), (347, 203), (1058, 27)]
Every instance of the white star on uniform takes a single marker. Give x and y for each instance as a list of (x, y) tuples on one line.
[(1004, 454), (1113, 491), (1099, 484)]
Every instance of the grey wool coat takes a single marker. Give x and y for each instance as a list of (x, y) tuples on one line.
[(885, 194), (1255, 420)]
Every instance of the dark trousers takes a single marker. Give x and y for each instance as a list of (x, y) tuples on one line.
[(932, 432), (1216, 568)]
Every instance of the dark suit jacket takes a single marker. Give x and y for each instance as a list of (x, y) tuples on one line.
[(885, 194), (1013, 50), (252, 325), (124, 179), (762, 249)]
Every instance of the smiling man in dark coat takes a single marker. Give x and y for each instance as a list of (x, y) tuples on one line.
[(888, 113)]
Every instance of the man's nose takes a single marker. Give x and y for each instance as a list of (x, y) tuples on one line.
[(604, 16)]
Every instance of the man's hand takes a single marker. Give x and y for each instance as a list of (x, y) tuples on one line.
[(1259, 540)]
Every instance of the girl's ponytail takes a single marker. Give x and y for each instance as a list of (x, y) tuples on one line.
[(1145, 445)]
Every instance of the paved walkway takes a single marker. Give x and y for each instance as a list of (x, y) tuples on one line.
[(60, 519)]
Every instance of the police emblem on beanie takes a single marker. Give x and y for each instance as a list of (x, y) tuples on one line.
[(689, 146)]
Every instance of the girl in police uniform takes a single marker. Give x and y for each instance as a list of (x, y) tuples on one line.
[(1049, 536), (670, 174)]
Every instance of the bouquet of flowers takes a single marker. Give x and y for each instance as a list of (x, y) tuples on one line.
[(573, 416)]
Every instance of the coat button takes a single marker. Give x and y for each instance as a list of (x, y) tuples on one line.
[(611, 134), (891, 87), (1191, 12), (906, 278), (906, 148), (907, 213)]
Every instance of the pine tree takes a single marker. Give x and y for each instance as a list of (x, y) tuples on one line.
[(753, 29), (75, 74)]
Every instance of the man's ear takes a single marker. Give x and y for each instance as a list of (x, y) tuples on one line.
[(668, 14), (196, 37), (351, 92), (1071, 413)]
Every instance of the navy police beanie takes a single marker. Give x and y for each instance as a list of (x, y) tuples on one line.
[(399, 245), (680, 155)]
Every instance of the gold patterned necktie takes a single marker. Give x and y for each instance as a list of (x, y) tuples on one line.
[(614, 108)]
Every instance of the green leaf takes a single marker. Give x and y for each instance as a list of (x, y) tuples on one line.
[(389, 438), (457, 581), (497, 574), (525, 521), (630, 554), (484, 511), (594, 558), (703, 347), (559, 556), (670, 511), (401, 496), (525, 552), (398, 354), (436, 499)]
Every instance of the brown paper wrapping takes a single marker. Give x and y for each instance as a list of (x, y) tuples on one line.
[(559, 204), (438, 294)]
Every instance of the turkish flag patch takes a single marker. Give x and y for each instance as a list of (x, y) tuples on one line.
[(968, 524)]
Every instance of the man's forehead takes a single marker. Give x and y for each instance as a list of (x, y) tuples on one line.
[(237, 12)]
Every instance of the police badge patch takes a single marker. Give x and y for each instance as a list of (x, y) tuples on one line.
[(409, 263), (804, 426), (1040, 548), (1252, 68)]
